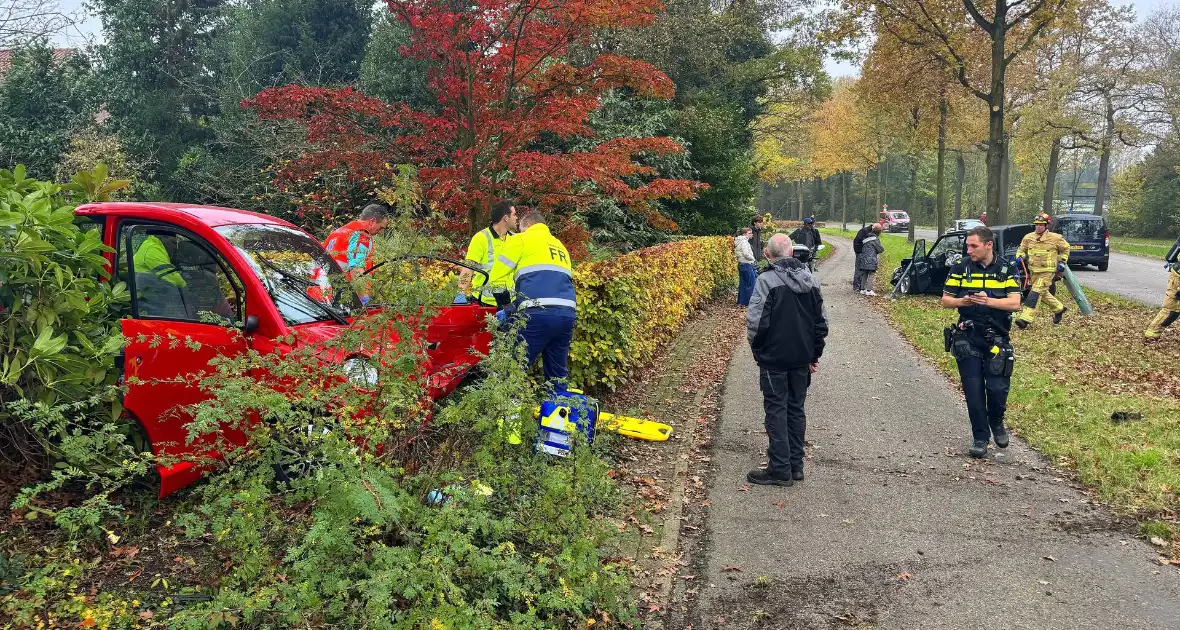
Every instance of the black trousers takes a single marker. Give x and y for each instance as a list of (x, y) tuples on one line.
[(987, 396), (783, 395)]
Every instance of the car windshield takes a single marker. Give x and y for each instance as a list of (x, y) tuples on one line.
[(305, 282), (1081, 230), (900, 215)]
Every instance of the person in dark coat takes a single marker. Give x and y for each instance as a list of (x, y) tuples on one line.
[(786, 328), (756, 238), (856, 247), (867, 260)]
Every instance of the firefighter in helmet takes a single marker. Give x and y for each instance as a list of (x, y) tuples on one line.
[(1045, 254)]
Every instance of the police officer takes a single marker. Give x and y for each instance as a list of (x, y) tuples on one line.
[(483, 251), (1171, 310), (543, 273), (982, 289), (1046, 254)]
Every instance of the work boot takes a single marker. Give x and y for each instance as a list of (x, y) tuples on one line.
[(762, 477), (978, 449), (1000, 434), (1023, 324), (797, 475), (1151, 336), (1057, 316)]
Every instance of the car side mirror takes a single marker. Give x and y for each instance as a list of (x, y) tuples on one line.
[(251, 324)]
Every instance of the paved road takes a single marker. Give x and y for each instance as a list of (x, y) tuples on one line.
[(1133, 277), (895, 527)]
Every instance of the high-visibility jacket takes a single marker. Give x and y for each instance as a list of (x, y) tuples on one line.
[(541, 268), (484, 250), (152, 257), (1043, 252), (351, 245)]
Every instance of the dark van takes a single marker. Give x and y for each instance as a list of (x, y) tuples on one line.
[(1088, 238)]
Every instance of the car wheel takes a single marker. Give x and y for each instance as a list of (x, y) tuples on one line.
[(905, 285), (297, 456), (1104, 265)]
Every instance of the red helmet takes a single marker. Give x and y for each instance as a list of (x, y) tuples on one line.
[(1042, 219)]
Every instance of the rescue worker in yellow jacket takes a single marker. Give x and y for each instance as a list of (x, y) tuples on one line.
[(1171, 310), (1043, 252), (543, 274), (483, 251)]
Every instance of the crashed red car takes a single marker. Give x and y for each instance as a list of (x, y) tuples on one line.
[(211, 274)]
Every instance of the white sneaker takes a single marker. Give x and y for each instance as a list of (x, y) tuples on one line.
[(870, 292)]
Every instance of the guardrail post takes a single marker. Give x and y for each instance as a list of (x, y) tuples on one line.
[(1075, 290)]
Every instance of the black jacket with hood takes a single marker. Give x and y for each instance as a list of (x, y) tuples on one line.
[(786, 323)]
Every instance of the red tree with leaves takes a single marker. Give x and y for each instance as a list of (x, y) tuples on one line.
[(509, 97)]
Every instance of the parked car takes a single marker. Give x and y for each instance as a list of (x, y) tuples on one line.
[(894, 220), (930, 267), (964, 225), (1088, 237), (236, 268)]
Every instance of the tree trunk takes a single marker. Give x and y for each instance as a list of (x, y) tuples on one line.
[(940, 172), (877, 207), (913, 200), (800, 190), (1051, 177), (1104, 159), (831, 182), (960, 175), (844, 201), (1005, 170), (864, 209), (997, 143)]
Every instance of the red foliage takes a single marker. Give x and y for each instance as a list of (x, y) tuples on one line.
[(505, 84)]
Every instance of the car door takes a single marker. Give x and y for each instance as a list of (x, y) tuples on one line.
[(946, 253), (186, 308), (919, 268)]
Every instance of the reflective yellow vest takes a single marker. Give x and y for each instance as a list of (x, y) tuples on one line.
[(541, 268), (484, 250)]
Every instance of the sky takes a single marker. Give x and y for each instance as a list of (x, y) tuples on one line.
[(90, 29)]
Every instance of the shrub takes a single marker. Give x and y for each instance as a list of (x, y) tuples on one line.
[(629, 305)]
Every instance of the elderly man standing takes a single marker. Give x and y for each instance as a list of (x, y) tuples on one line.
[(786, 327)]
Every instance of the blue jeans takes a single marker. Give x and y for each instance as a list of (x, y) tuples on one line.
[(747, 276), (547, 333), (987, 396)]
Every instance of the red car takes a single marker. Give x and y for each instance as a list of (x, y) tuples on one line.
[(209, 274)]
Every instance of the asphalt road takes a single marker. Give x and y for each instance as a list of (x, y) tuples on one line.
[(1133, 277), (895, 527)]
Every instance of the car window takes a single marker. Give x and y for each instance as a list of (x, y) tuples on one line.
[(1081, 230), (947, 250), (90, 224), (176, 276)]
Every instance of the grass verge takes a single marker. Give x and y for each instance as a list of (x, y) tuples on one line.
[(1146, 247), (1068, 382)]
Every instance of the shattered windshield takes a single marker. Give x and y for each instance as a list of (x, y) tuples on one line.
[(302, 279)]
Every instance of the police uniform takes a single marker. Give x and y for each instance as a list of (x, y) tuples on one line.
[(543, 274), (484, 250), (981, 346), (1171, 310), (1042, 253)]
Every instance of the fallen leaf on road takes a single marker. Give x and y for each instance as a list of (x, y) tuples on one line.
[(729, 568), (1159, 542), (849, 521), (904, 575), (779, 505), (1042, 582), (1050, 558), (745, 488)]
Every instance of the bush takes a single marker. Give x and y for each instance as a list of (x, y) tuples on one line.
[(629, 305)]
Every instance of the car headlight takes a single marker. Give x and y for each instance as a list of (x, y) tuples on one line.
[(361, 372)]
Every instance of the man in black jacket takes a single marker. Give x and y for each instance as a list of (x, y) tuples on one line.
[(756, 238), (786, 327)]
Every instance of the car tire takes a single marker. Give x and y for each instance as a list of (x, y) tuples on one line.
[(1104, 265), (905, 284)]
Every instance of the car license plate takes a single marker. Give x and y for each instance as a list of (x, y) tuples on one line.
[(1077, 247)]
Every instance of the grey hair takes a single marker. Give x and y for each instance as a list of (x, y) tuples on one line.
[(375, 212), (780, 246)]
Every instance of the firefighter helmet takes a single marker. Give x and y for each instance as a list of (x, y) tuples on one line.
[(1042, 219)]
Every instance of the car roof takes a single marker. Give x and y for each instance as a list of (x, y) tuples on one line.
[(212, 216), (1084, 217)]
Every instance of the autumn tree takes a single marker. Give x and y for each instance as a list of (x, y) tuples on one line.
[(977, 42), (515, 81)]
